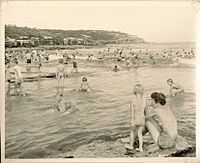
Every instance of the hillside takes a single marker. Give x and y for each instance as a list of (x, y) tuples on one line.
[(100, 36)]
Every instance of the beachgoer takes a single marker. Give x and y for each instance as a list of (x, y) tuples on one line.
[(18, 79), (73, 56), (62, 107), (175, 88), (39, 60), (100, 55), (45, 55), (85, 85), (138, 105), (8, 78), (34, 54), (60, 104), (128, 62), (60, 75), (74, 67), (162, 125), (115, 69), (89, 58), (28, 60)]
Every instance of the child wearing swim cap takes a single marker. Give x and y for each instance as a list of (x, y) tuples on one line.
[(138, 105)]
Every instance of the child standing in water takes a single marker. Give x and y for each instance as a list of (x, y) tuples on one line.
[(60, 75), (138, 105)]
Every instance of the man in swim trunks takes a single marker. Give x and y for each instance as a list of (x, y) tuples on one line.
[(60, 75), (28, 59), (175, 88)]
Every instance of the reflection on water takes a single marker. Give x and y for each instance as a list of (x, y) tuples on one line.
[(35, 130)]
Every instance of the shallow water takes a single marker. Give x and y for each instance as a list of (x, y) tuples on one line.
[(35, 130)]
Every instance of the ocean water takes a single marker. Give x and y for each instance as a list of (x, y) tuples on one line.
[(34, 129)]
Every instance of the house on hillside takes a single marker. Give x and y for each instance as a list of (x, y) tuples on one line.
[(24, 41), (35, 40), (70, 41), (45, 40), (10, 42), (81, 41)]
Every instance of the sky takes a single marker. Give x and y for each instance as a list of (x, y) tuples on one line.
[(153, 21)]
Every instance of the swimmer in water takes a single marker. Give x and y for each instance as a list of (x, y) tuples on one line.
[(175, 88), (115, 69), (84, 85), (75, 67), (62, 107), (60, 75)]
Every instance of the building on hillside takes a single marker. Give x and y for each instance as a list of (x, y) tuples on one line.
[(35, 40), (24, 41), (70, 41), (10, 42), (81, 41), (45, 40)]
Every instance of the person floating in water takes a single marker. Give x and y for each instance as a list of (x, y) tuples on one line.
[(138, 105), (18, 79), (175, 88), (85, 85), (116, 68), (75, 67), (60, 75)]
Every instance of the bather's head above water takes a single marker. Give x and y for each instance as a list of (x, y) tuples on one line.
[(170, 81), (60, 60), (84, 79)]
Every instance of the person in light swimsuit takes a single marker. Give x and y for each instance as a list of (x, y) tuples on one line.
[(18, 79), (138, 105), (60, 75)]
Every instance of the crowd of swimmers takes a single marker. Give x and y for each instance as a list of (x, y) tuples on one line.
[(134, 58), (39, 56), (145, 112)]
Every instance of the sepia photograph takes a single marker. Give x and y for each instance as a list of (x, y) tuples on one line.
[(91, 79)]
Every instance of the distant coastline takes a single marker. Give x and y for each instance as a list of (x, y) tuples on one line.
[(31, 37)]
